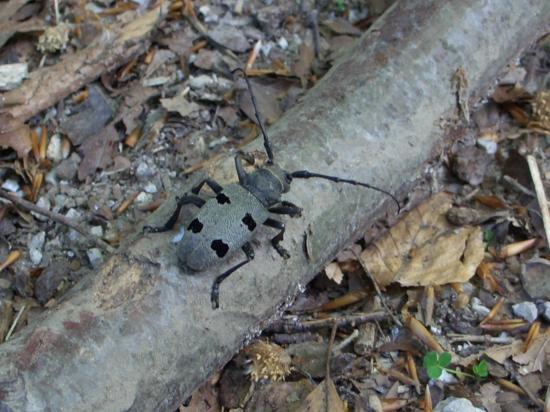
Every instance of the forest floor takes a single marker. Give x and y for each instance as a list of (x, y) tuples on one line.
[(460, 285)]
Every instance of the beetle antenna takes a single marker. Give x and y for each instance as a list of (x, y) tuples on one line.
[(267, 144), (305, 174)]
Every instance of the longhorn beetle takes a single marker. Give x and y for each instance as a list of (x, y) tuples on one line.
[(227, 222)]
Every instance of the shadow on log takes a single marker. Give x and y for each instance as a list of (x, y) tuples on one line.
[(140, 335)]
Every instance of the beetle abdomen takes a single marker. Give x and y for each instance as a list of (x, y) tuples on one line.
[(220, 228)]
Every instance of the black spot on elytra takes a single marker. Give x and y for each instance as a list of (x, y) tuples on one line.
[(195, 226), (249, 222), (221, 198), (219, 247)]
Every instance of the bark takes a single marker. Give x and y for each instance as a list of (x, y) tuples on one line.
[(141, 335)]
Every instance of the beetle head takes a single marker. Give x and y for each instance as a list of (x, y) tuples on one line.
[(268, 183)]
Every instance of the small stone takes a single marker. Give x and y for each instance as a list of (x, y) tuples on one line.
[(11, 75), (95, 257), (63, 202), (67, 169), (44, 203), (55, 148), (73, 214), (143, 198), (143, 171), (534, 277), (489, 145), (11, 185), (283, 43), (150, 188), (546, 311), (478, 308), (230, 37), (470, 164), (96, 231), (453, 404), (526, 310), (35, 247), (49, 280)]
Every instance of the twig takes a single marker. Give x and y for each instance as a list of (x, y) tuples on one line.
[(541, 195), (15, 321), (346, 341), (329, 353), (518, 186), (456, 337), (377, 289), (291, 326), (56, 9), (55, 217)]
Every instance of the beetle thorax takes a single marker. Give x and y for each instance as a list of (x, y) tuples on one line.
[(267, 184)]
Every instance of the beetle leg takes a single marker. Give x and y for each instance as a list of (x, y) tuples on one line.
[(275, 241), (286, 208), (210, 183), (215, 294), (184, 200)]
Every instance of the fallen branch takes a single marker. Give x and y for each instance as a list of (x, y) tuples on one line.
[(112, 49), (140, 333)]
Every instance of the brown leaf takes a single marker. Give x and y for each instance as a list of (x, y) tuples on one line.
[(424, 249), (537, 356), (97, 152), (14, 134), (323, 398)]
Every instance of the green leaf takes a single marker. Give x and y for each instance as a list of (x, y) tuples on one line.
[(481, 370), (434, 371), (445, 359), (430, 359)]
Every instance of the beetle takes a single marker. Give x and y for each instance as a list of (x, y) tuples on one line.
[(228, 221)]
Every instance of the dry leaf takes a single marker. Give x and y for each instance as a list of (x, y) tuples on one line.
[(317, 400), (180, 104), (536, 357), (424, 249), (334, 272), (14, 134), (499, 353)]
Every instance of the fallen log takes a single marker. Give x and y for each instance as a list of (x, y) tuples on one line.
[(141, 335)]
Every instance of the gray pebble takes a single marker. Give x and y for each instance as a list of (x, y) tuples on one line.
[(95, 257), (526, 310), (35, 247), (453, 404)]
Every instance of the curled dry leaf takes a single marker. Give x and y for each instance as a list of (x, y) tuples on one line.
[(537, 356), (14, 134), (334, 272), (424, 249), (324, 398)]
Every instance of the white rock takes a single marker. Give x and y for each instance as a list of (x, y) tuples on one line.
[(456, 405), (490, 146), (283, 43), (143, 171), (73, 214), (55, 148), (11, 75), (481, 310), (526, 310), (35, 247), (143, 198), (11, 185), (150, 188), (96, 231), (447, 377), (95, 257), (44, 203)]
